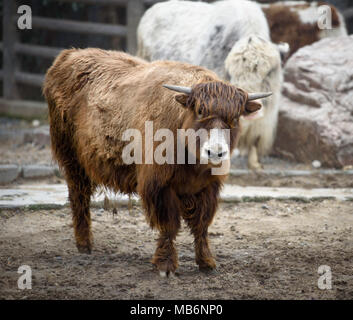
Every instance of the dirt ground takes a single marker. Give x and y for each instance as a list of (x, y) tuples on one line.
[(25, 154), (253, 179), (307, 182), (269, 250), (14, 149), (266, 250)]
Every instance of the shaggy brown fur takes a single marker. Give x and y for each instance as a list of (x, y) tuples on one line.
[(94, 96), (286, 26)]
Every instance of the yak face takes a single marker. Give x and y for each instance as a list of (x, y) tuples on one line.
[(215, 107), (253, 62)]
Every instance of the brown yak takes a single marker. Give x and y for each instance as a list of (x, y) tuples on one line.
[(95, 95)]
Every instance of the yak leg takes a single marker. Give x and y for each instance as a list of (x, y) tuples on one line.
[(80, 191), (198, 213), (168, 221), (253, 160), (163, 213), (165, 257)]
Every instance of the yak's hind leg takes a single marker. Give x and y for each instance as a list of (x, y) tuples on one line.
[(198, 212), (253, 160), (253, 156), (79, 184), (80, 191), (163, 213)]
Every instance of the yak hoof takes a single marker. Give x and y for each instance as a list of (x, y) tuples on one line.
[(256, 166), (207, 265), (166, 274), (84, 249), (208, 270), (165, 266)]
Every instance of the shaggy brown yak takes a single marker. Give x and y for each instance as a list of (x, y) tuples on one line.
[(95, 95)]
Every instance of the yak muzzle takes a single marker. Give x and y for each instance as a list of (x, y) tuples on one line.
[(216, 148)]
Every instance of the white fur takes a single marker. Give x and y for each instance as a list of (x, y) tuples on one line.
[(254, 64), (215, 36), (216, 144), (187, 31)]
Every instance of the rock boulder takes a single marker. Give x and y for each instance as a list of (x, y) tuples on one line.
[(316, 111)]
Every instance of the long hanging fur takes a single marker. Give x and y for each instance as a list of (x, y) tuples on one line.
[(94, 96)]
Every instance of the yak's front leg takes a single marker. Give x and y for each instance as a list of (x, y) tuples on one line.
[(165, 257), (198, 212), (163, 213)]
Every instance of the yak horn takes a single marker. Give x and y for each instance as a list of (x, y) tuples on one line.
[(258, 95), (186, 90)]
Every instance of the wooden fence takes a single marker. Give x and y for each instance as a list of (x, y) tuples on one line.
[(12, 76)]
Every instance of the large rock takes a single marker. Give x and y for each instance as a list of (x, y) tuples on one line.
[(316, 113)]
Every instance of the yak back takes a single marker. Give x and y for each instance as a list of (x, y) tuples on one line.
[(95, 95)]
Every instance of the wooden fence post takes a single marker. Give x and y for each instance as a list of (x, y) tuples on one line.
[(10, 36), (135, 10)]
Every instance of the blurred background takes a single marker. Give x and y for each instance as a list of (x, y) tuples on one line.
[(111, 24), (107, 24)]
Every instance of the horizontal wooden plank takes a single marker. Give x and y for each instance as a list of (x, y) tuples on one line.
[(23, 108), (78, 26), (29, 78), (151, 2), (117, 3), (37, 50)]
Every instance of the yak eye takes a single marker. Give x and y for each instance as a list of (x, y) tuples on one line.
[(199, 113)]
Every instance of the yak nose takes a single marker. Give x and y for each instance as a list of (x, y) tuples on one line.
[(216, 148), (217, 152)]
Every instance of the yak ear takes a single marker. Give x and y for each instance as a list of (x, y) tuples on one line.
[(253, 110), (182, 99)]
